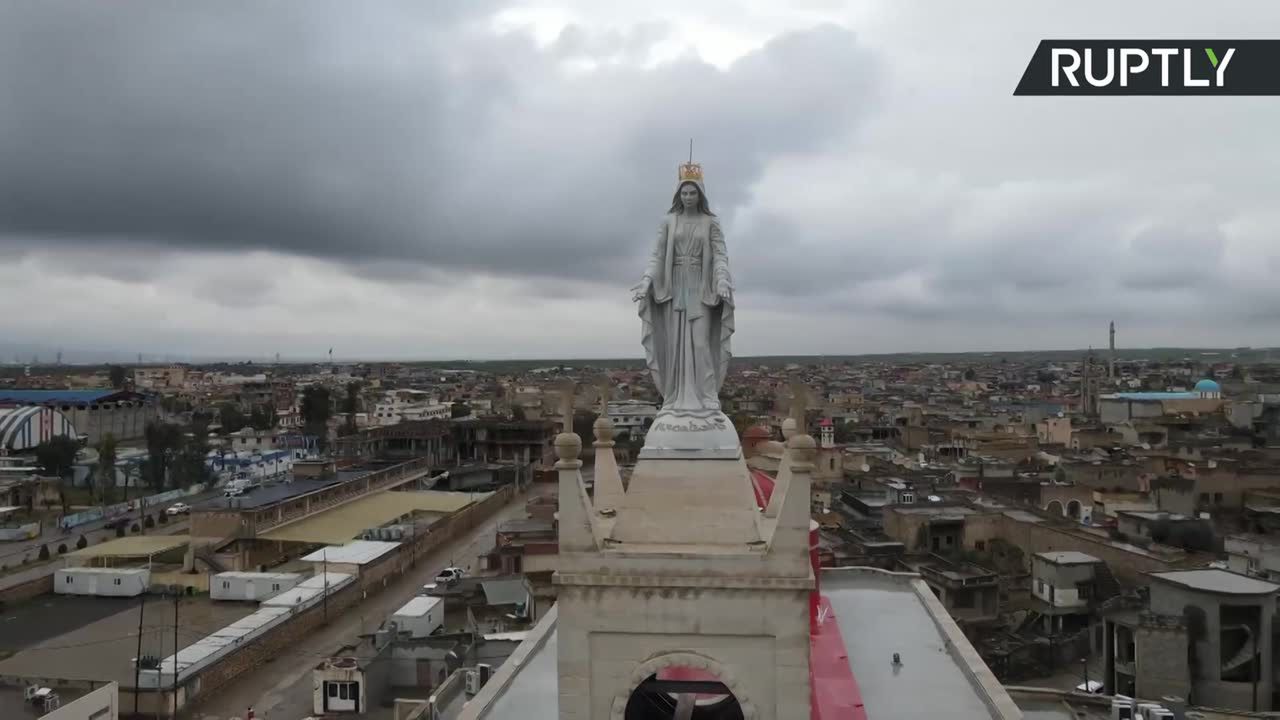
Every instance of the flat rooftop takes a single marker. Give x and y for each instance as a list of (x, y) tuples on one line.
[(340, 524), (356, 552), (1217, 581), (14, 707), (104, 649), (133, 546), (881, 614), (1067, 557)]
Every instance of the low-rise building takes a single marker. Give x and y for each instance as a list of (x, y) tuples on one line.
[(1209, 631), (1067, 585), (969, 592)]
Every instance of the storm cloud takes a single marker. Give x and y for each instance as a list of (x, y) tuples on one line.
[(417, 179)]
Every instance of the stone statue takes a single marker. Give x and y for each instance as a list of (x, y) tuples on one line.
[(686, 303)]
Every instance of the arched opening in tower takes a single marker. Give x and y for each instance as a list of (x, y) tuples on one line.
[(682, 694)]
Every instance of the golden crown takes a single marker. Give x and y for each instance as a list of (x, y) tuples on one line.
[(690, 171)]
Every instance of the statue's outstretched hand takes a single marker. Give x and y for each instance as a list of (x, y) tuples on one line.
[(640, 291), (724, 290)]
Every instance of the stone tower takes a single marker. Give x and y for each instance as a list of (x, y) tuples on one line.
[(1089, 385), (681, 585)]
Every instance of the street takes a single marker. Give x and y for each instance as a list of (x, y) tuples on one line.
[(12, 554), (282, 688)]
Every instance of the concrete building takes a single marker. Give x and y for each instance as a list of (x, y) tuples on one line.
[(348, 684), (1255, 555), (969, 592), (404, 405), (1067, 586), (1207, 630), (632, 417)]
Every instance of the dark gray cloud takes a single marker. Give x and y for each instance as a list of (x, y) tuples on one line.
[(383, 133), (423, 179)]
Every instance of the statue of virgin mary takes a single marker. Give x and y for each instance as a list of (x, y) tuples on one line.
[(686, 303)]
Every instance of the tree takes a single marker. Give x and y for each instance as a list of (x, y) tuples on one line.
[(584, 423), (316, 409), (189, 461), (262, 417), (164, 440), (459, 409), (106, 467), (969, 374), (845, 431), (351, 406), (57, 455), (517, 413), (117, 375), (231, 417)]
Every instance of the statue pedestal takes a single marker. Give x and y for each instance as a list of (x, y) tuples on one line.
[(697, 435)]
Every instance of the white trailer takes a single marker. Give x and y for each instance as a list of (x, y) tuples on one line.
[(103, 582), (420, 617), (251, 586)]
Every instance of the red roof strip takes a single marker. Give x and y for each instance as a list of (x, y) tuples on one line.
[(763, 486), (834, 693)]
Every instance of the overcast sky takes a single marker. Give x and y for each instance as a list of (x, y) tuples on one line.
[(430, 179)]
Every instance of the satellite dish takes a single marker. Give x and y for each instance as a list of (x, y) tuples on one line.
[(866, 467)]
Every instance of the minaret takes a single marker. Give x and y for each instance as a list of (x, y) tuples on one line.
[(1111, 369)]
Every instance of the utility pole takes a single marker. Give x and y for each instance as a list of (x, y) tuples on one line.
[(177, 598), (1257, 662), (324, 569), (137, 661)]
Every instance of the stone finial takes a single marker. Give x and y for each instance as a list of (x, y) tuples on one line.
[(802, 448), (568, 447), (604, 431), (789, 428)]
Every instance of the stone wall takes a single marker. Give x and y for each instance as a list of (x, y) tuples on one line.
[(1162, 657), (1127, 565)]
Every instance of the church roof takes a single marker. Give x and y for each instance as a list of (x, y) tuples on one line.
[(865, 616)]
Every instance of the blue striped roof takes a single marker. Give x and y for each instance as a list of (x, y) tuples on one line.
[(56, 396), (1157, 395)]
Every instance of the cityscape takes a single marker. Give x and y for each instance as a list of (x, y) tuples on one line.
[(344, 376)]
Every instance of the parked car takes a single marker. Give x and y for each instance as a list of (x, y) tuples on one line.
[(178, 509), (117, 522), (450, 575)]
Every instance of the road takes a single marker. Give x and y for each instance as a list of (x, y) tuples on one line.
[(93, 532), (12, 552), (281, 689)]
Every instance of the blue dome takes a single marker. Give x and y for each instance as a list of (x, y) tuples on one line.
[(1207, 385)]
